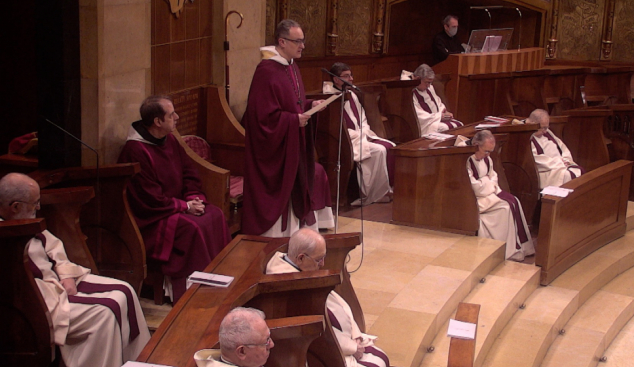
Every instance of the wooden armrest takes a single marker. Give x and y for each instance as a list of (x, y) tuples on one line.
[(215, 180), (462, 351)]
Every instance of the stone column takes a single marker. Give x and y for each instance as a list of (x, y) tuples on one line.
[(115, 72)]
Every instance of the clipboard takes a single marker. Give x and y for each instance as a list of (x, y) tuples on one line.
[(322, 105)]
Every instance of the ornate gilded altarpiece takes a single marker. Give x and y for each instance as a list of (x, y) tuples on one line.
[(580, 29), (344, 22), (623, 46)]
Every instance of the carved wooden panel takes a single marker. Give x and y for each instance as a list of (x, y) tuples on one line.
[(354, 27), (623, 49), (181, 46), (311, 15), (271, 21), (580, 29)]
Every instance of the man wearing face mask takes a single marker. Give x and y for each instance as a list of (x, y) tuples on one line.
[(446, 42)]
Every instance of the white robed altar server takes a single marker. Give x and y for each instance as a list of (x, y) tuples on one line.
[(501, 214), (375, 162), (552, 157), (97, 321), (430, 110), (307, 252)]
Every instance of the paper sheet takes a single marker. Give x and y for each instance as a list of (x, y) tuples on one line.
[(322, 105), (556, 191), (461, 330)]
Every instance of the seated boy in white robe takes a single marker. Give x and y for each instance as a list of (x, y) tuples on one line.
[(97, 321), (552, 157), (501, 214), (307, 252)]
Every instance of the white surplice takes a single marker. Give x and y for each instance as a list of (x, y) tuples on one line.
[(430, 114), (372, 174), (555, 168), (496, 219), (88, 334), (343, 324)]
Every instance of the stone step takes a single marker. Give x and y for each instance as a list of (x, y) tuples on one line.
[(593, 327), (531, 331), (425, 303), (505, 290), (620, 352)]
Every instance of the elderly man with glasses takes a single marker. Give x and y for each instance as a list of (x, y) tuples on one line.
[(284, 189), (501, 214), (245, 341), (552, 157), (307, 252)]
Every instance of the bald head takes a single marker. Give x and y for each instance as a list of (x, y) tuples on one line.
[(307, 249), (19, 196)]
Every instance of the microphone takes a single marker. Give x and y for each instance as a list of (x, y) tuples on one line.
[(348, 84), (486, 7)]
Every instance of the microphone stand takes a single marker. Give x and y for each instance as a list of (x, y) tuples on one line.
[(489, 13), (519, 40), (344, 90)]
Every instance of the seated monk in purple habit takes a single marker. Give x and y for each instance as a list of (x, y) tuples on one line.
[(96, 321), (181, 231)]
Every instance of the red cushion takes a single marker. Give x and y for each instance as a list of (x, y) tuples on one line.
[(236, 186), (198, 145)]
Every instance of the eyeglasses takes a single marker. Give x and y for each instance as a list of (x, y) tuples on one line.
[(37, 203), (265, 344), (346, 76), (297, 42), (318, 261)]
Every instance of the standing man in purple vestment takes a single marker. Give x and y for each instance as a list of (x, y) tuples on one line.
[(280, 154), (181, 231)]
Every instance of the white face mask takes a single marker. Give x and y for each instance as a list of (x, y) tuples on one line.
[(452, 31)]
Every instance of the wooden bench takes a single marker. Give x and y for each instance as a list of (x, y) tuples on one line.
[(193, 323), (114, 239), (462, 351), (587, 219), (432, 188), (28, 339)]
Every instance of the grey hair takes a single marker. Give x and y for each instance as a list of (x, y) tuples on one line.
[(448, 18), (537, 116), (283, 29), (236, 328), (481, 137), (424, 71), (303, 241), (11, 190)]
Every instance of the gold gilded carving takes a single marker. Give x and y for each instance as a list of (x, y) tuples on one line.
[(333, 35), (623, 41), (606, 43), (311, 14), (551, 48), (282, 7), (176, 6), (580, 24), (354, 28), (271, 21), (377, 39)]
